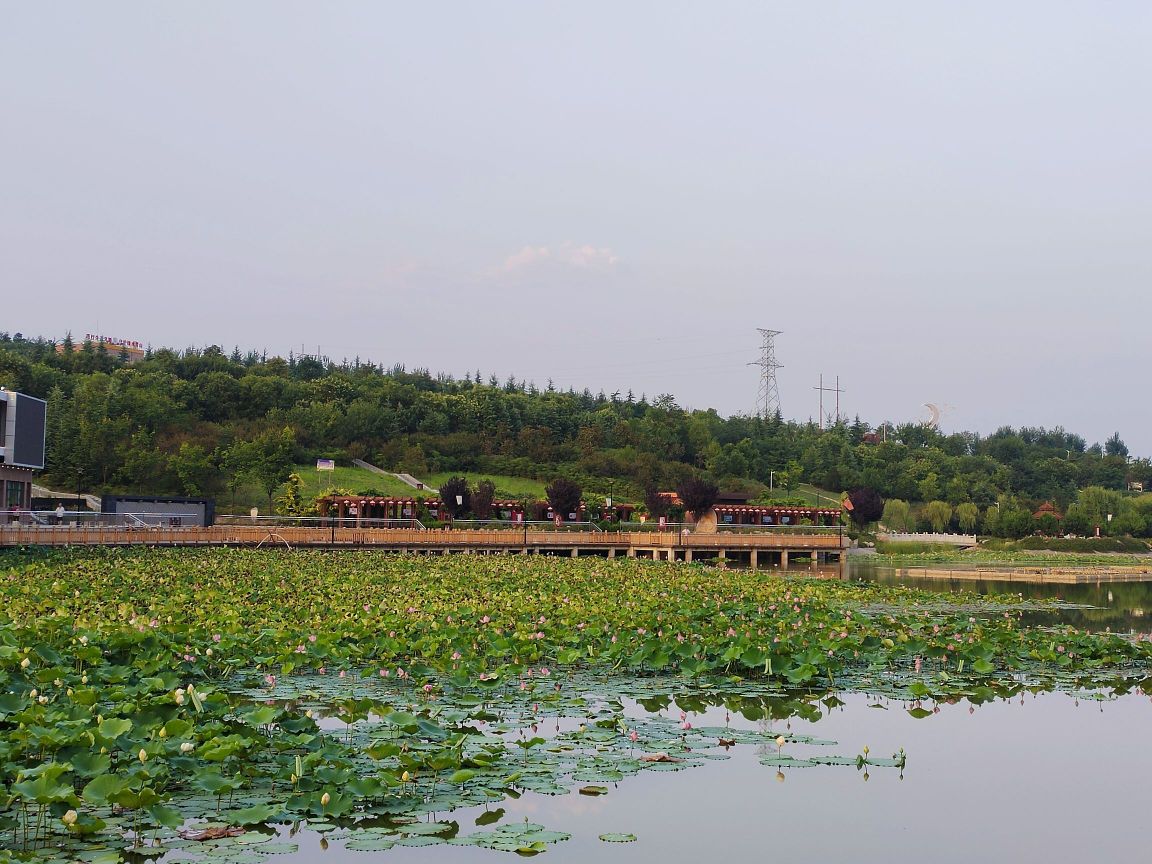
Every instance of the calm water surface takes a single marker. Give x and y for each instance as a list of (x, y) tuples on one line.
[(1120, 606), (1045, 777)]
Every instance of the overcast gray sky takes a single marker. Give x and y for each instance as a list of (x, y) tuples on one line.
[(938, 202)]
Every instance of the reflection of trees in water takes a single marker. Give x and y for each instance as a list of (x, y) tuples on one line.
[(1120, 606)]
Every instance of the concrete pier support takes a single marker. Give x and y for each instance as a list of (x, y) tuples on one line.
[(752, 559), (783, 557)]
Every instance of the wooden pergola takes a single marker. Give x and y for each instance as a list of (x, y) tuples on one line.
[(751, 514)]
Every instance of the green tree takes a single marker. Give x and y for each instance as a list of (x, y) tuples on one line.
[(194, 469), (1015, 522), (1114, 446), (897, 515), (967, 516), (270, 460), (291, 501), (929, 486), (938, 514)]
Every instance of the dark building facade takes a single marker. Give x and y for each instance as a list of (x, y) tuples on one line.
[(21, 447)]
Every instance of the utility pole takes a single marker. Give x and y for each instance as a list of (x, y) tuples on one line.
[(824, 389), (768, 398)]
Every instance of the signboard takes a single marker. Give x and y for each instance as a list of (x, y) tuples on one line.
[(22, 419), (325, 464), (663, 522), (557, 519), (518, 517), (114, 342)]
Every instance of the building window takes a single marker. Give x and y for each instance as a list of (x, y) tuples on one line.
[(15, 496)]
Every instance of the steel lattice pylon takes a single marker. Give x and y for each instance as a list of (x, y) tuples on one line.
[(768, 399)]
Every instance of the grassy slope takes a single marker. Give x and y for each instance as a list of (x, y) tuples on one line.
[(351, 478), (506, 486)]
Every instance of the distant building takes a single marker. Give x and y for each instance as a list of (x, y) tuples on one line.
[(1048, 509), (21, 447), (130, 349), (162, 509)]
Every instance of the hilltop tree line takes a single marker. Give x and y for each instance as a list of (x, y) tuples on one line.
[(200, 421)]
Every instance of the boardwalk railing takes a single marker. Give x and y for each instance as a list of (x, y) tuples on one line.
[(402, 539)]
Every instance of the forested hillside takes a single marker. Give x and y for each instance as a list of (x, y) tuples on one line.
[(200, 422)]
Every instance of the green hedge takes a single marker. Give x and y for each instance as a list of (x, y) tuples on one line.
[(1061, 544), (889, 547)]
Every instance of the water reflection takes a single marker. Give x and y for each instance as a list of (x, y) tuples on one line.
[(985, 781), (1120, 606)]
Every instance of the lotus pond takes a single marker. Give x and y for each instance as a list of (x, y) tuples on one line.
[(228, 706)]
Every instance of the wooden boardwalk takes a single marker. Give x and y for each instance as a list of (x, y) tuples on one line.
[(752, 549), (1065, 575)]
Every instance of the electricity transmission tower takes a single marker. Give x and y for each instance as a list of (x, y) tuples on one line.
[(824, 390), (768, 399)]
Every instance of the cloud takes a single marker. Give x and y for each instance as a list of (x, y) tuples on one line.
[(566, 256)]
